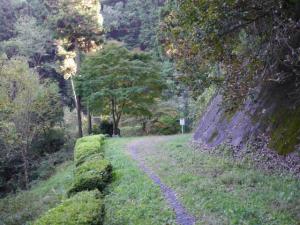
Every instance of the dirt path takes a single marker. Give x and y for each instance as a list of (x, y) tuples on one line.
[(135, 149)]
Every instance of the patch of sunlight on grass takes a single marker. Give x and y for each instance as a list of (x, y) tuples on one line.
[(219, 191), (25, 206), (132, 198)]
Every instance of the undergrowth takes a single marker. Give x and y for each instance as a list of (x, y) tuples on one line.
[(26, 206)]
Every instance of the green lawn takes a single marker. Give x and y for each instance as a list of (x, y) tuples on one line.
[(219, 191), (26, 206), (133, 199)]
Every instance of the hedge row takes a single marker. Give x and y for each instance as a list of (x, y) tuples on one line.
[(88, 146), (84, 208), (92, 174)]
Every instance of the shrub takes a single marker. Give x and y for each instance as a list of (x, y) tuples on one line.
[(87, 146), (166, 125), (49, 141), (92, 174), (91, 138), (106, 128), (84, 208)]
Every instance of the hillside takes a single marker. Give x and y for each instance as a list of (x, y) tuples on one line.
[(161, 180), (130, 112)]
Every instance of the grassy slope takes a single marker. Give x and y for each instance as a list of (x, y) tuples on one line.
[(220, 191), (216, 190), (26, 206), (133, 198)]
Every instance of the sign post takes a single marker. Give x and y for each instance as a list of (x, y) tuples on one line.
[(182, 123)]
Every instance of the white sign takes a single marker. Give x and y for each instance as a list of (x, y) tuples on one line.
[(182, 122)]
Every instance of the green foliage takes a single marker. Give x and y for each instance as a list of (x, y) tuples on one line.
[(92, 138), (26, 206), (285, 132), (133, 22), (78, 26), (28, 109), (30, 41), (7, 18), (87, 146), (106, 127), (93, 174), (85, 208), (92, 171), (166, 125), (119, 81), (248, 43), (199, 105), (132, 198), (50, 141)]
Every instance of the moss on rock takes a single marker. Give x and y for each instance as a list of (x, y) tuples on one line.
[(285, 131)]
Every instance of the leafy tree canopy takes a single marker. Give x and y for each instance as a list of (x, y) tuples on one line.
[(246, 41), (117, 81)]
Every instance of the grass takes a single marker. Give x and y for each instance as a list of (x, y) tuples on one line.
[(220, 191), (26, 206), (215, 189), (133, 198)]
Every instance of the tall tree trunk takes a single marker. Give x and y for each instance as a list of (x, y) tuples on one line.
[(89, 122), (79, 119), (78, 109), (77, 98), (25, 165), (113, 108)]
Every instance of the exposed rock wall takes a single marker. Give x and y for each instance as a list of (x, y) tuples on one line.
[(268, 121)]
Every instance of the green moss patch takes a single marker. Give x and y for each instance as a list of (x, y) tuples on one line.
[(213, 136), (87, 146), (93, 174), (286, 130), (85, 208)]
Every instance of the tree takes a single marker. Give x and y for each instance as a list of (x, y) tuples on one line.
[(7, 18), (78, 26), (134, 22), (120, 82), (30, 40), (27, 107), (248, 41)]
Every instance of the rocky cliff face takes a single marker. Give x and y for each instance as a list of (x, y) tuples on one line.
[(268, 121)]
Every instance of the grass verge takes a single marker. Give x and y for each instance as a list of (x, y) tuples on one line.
[(132, 197), (26, 206), (220, 191)]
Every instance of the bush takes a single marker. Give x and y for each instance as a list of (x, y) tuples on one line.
[(106, 128), (49, 141), (92, 138), (166, 125), (92, 174), (87, 146), (85, 208)]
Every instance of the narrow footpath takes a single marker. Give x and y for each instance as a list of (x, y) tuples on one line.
[(136, 149)]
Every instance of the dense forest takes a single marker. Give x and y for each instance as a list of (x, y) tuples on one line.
[(124, 68)]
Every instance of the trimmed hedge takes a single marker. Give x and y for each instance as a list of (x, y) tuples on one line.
[(84, 208), (92, 174), (91, 138), (87, 146)]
